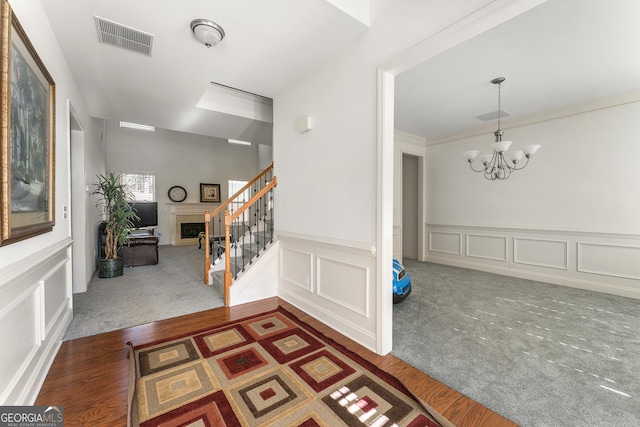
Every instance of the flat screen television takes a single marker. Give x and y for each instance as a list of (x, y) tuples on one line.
[(148, 213)]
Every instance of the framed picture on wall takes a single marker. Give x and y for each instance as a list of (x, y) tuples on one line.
[(209, 193), (27, 147)]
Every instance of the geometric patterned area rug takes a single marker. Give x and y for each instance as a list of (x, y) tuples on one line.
[(269, 369)]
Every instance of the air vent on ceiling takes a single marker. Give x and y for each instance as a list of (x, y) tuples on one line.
[(119, 35), (492, 115)]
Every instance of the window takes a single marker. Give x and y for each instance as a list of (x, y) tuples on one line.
[(141, 186), (234, 187)]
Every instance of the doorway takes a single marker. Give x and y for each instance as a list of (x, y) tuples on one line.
[(79, 271), (471, 26), (410, 204)]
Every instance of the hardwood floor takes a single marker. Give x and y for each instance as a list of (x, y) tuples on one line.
[(90, 376)]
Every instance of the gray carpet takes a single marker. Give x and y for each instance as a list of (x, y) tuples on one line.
[(538, 354), (171, 288)]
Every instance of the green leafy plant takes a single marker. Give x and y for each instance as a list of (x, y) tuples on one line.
[(114, 202)]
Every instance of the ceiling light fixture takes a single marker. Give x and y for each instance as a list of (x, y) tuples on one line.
[(496, 165), (239, 142), (137, 126), (207, 32)]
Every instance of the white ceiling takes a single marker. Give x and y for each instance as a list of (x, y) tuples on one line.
[(560, 53), (268, 45)]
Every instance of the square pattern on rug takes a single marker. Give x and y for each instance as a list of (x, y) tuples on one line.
[(264, 370)]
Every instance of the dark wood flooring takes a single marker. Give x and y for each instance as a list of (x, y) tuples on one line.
[(90, 376)]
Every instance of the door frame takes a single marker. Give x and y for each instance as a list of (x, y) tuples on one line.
[(490, 16)]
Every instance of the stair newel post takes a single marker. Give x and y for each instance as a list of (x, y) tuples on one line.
[(207, 255), (228, 276)]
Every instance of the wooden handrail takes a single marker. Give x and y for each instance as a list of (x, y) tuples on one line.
[(273, 183), (237, 194), (223, 207), (228, 220)]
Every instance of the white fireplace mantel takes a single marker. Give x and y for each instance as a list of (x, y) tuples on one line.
[(191, 208), (186, 209)]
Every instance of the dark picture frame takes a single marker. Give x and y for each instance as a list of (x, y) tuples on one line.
[(209, 193), (27, 125)]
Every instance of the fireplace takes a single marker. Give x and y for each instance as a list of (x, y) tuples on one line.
[(187, 220), (190, 230)]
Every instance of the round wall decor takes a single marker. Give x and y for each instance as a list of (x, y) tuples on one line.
[(177, 193)]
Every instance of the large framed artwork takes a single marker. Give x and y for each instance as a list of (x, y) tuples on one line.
[(27, 126), (210, 193)]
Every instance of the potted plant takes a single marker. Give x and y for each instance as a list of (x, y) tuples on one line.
[(115, 203)]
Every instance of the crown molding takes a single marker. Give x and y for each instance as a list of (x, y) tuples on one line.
[(558, 113)]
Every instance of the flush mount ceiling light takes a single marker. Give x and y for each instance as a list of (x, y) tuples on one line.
[(137, 126), (239, 142), (496, 165), (207, 32)]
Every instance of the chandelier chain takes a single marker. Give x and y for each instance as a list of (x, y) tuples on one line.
[(499, 104)]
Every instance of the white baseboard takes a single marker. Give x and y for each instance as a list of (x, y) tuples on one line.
[(361, 336)]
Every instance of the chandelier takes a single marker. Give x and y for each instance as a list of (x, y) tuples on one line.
[(499, 165)]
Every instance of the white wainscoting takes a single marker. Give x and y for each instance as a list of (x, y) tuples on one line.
[(298, 269), (541, 252), (334, 281), (35, 312), (606, 262), (397, 241), (487, 247), (445, 242), (621, 261)]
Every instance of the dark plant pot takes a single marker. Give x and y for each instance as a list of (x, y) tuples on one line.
[(108, 268)]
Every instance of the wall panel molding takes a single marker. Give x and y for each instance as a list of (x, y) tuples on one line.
[(486, 246), (445, 242), (397, 241), (597, 261), (35, 312), (556, 231), (24, 266), (541, 252), (609, 260), (342, 289), (332, 273), (296, 267)]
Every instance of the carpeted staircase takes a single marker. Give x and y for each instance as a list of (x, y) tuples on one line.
[(244, 252)]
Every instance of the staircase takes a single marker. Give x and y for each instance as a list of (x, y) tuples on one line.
[(239, 231), (243, 252)]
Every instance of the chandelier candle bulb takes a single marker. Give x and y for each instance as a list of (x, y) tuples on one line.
[(485, 159), (530, 150), (470, 155), (501, 146), (516, 156)]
